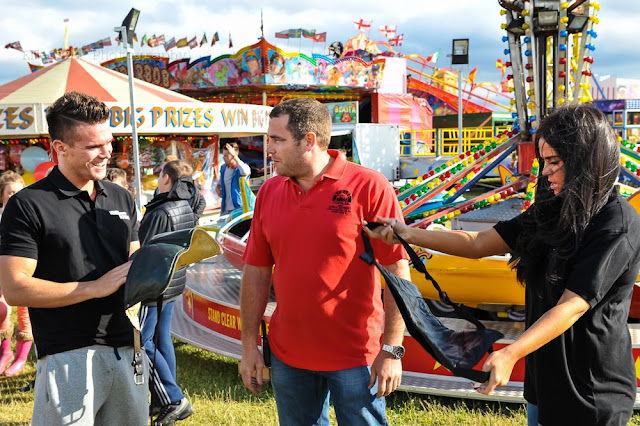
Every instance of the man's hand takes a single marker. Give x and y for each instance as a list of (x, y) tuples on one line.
[(231, 150), (387, 371), (110, 282), (251, 369)]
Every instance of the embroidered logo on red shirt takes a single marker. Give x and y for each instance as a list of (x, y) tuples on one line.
[(341, 202)]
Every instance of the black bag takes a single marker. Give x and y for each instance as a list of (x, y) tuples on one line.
[(458, 351), (155, 262)]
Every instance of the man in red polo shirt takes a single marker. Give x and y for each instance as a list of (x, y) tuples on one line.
[(325, 331)]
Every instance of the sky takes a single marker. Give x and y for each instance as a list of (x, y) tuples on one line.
[(427, 25)]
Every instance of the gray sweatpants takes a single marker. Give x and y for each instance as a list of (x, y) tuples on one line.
[(90, 386)]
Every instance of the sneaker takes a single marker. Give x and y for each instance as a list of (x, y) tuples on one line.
[(173, 412), (154, 410)]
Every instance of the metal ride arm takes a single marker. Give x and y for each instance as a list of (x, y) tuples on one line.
[(508, 147), (515, 56)]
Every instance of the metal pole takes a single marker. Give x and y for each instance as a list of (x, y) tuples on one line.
[(460, 112), (137, 182), (134, 131), (264, 141)]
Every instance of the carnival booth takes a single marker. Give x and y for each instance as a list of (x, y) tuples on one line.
[(167, 122)]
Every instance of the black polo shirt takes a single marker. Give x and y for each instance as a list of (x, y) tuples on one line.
[(73, 238), (587, 374)]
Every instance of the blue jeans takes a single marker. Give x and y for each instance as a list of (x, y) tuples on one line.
[(165, 389), (302, 396), (532, 415)]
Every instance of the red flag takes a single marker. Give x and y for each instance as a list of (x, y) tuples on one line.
[(397, 41), (472, 75), (193, 43), (283, 34), (15, 45), (230, 42), (204, 39), (504, 86), (320, 37), (361, 24)]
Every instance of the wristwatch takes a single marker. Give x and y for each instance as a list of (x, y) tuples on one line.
[(396, 351)]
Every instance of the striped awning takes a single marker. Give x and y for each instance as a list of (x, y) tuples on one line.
[(23, 104), (48, 84)]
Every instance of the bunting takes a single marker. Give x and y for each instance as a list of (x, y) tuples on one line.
[(388, 30), (170, 44), (397, 40), (362, 25), (35, 68), (215, 38), (105, 42), (15, 45)]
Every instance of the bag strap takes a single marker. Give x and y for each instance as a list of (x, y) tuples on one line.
[(461, 310), (266, 350), (155, 340), (138, 371)]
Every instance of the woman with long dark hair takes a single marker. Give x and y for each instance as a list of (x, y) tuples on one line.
[(577, 251)]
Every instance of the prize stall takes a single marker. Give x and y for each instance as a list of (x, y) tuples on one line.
[(168, 123)]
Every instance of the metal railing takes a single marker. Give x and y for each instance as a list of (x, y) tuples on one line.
[(436, 142)]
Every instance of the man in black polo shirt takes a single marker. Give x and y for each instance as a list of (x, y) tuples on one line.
[(65, 243)]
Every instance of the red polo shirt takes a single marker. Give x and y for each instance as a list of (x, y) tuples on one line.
[(329, 312)]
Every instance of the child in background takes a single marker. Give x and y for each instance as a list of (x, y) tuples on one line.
[(10, 183)]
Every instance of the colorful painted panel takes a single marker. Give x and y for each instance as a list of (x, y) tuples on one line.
[(261, 63)]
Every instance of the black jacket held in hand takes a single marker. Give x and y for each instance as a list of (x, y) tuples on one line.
[(166, 212)]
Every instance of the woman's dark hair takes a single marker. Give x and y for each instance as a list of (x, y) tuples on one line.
[(589, 150)]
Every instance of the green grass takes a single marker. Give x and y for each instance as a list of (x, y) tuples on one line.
[(212, 384)]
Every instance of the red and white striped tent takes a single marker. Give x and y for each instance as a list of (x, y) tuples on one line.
[(158, 111)]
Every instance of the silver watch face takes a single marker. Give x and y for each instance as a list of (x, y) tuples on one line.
[(396, 351)]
